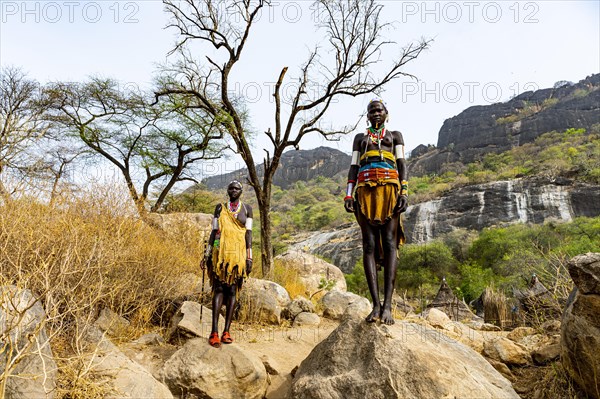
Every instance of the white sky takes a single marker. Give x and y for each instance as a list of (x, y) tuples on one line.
[(484, 52)]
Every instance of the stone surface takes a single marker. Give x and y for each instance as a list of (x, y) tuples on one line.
[(297, 306), (580, 327), (585, 272), (127, 378), (270, 365), (111, 322), (32, 372), (201, 371), (506, 351), (307, 319), (264, 300), (437, 318), (149, 339), (367, 360), (335, 303), (546, 354), (312, 271), (502, 368), (520, 332), (186, 322)]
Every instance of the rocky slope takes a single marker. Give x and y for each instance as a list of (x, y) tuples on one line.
[(479, 130), (472, 207), (295, 166)]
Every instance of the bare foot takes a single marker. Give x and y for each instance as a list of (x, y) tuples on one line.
[(374, 315), (386, 317)]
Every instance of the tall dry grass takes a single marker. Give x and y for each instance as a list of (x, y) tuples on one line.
[(86, 254)]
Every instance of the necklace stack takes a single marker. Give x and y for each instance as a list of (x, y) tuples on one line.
[(235, 208), (376, 135)]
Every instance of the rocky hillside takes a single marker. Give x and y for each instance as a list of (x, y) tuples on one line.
[(479, 130), (295, 166)]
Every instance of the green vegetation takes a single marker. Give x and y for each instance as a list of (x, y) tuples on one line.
[(504, 257)]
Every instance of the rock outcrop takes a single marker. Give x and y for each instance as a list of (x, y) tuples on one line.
[(264, 300), (198, 370), (479, 130), (363, 360), (313, 271), (337, 304), (580, 328), (25, 355), (125, 377), (295, 166)]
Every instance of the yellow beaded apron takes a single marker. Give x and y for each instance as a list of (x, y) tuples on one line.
[(229, 254)]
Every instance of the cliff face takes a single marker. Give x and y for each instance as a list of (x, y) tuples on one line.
[(295, 165), (474, 208), (498, 127)]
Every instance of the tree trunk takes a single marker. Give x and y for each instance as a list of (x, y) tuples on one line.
[(266, 245)]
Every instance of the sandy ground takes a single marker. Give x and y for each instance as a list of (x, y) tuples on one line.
[(284, 348)]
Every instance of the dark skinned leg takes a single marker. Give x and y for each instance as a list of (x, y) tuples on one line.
[(230, 291), (390, 264), (369, 234), (217, 302)]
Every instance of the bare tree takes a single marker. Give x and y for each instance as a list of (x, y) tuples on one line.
[(153, 146), (342, 67), (21, 123)]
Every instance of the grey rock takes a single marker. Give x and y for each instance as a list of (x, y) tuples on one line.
[(264, 300), (366, 360), (580, 326), (111, 322), (199, 370), (297, 306), (335, 303), (306, 319), (546, 354), (127, 378), (25, 346), (506, 351), (312, 271)]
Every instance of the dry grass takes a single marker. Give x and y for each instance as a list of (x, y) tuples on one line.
[(85, 255), (496, 308)]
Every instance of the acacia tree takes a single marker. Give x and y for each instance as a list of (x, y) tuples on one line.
[(21, 123), (153, 146), (341, 67)]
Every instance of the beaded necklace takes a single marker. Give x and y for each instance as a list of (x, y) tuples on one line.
[(235, 208), (376, 136)]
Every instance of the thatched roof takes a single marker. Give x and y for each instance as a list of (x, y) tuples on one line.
[(447, 302)]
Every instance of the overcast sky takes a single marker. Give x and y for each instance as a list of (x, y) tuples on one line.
[(483, 52)]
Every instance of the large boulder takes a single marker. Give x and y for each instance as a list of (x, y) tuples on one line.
[(580, 328), (335, 303), (263, 300), (126, 378), (24, 346), (198, 370), (405, 360), (313, 272)]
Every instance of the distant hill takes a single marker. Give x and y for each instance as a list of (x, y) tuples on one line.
[(479, 130), (295, 165)]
